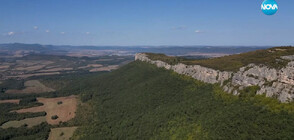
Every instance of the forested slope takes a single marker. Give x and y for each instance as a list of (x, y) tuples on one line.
[(141, 101)]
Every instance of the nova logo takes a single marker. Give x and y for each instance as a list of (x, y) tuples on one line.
[(269, 7)]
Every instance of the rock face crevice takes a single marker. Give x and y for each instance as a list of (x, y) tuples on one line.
[(278, 83)]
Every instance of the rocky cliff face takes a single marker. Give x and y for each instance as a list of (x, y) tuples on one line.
[(272, 82)]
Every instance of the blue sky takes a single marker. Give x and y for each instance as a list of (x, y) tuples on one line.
[(145, 22)]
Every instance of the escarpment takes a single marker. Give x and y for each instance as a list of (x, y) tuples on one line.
[(276, 83)]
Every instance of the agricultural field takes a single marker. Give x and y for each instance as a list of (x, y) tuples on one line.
[(62, 107), (25, 75), (57, 110), (29, 122), (32, 115), (15, 101), (43, 65), (107, 68), (31, 86), (37, 98)]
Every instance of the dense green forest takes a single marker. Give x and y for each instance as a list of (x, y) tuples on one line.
[(141, 101), (38, 132)]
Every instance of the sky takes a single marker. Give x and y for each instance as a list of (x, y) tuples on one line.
[(145, 22)]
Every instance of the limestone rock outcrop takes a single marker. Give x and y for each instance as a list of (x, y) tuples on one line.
[(277, 83), (196, 71)]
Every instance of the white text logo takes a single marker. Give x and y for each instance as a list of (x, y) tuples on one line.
[(269, 7)]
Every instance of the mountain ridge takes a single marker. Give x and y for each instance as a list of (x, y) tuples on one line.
[(162, 104), (12, 48), (273, 82)]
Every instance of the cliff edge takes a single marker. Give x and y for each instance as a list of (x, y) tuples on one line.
[(273, 82)]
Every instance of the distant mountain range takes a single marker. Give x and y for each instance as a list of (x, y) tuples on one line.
[(19, 49)]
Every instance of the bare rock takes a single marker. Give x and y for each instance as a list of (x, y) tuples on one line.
[(251, 75)]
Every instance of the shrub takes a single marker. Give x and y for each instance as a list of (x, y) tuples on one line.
[(54, 117), (27, 100), (86, 96)]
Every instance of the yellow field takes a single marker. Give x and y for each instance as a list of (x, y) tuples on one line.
[(30, 68), (29, 121), (4, 66), (56, 69), (32, 62), (64, 111), (16, 101), (35, 74), (107, 68), (32, 86)]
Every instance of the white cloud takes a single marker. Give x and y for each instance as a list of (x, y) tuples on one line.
[(87, 33), (198, 31), (36, 27), (47, 31), (10, 33), (62, 33)]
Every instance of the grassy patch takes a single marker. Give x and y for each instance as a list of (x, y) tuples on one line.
[(266, 57), (28, 122), (64, 133), (168, 59)]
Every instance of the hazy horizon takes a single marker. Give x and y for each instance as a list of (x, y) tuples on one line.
[(255, 46)]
